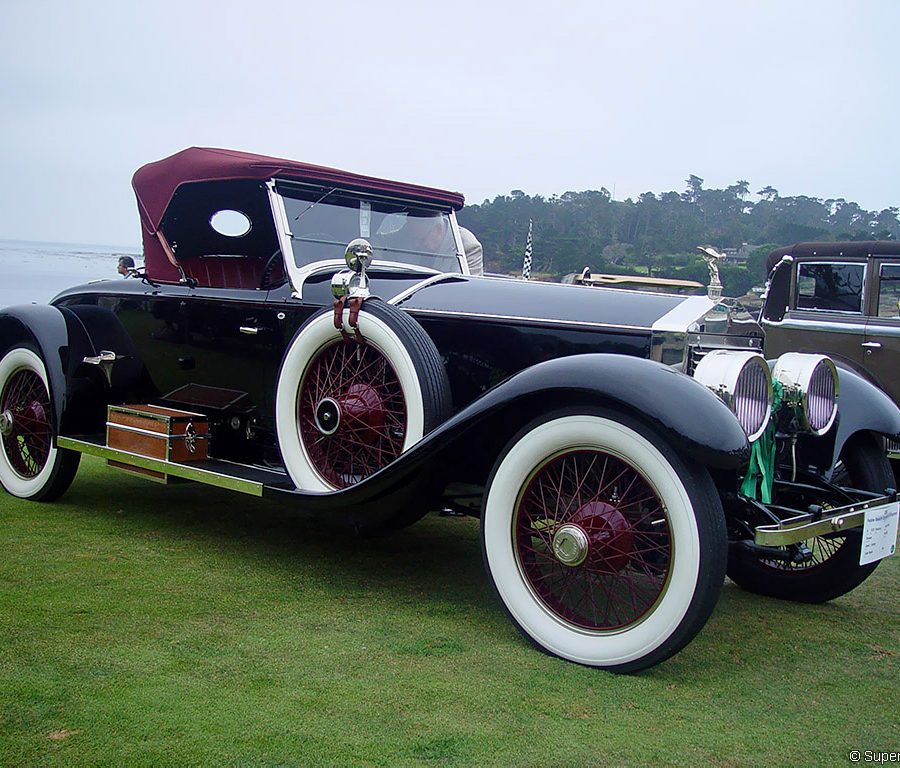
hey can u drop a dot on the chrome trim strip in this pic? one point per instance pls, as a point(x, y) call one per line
point(523, 319)
point(404, 295)
point(321, 266)
point(283, 232)
point(801, 528)
point(818, 325)
point(150, 432)
point(185, 471)
point(842, 312)
point(681, 317)
point(889, 330)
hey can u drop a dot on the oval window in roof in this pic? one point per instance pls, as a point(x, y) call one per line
point(230, 223)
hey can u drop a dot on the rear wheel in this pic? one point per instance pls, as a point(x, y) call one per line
point(605, 547)
point(31, 467)
point(834, 568)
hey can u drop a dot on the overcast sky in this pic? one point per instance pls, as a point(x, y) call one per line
point(480, 97)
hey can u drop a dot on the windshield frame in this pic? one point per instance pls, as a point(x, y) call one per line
point(299, 274)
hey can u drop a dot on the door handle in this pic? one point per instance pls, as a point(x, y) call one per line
point(249, 330)
point(871, 344)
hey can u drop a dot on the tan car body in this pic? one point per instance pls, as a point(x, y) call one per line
point(841, 299)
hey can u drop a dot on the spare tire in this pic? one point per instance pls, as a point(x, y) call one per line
point(345, 409)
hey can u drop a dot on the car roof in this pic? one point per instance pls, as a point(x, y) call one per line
point(155, 183)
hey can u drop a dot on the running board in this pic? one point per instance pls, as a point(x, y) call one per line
point(221, 474)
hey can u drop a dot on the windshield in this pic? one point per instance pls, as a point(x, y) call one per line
point(322, 221)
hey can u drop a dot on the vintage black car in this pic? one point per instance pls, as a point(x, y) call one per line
point(313, 336)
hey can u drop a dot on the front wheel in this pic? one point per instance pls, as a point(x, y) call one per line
point(604, 546)
point(834, 568)
point(31, 467)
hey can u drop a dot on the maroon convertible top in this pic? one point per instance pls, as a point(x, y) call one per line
point(155, 183)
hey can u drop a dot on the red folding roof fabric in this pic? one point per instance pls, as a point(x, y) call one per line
point(155, 183)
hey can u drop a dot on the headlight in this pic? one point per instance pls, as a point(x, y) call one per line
point(743, 381)
point(811, 384)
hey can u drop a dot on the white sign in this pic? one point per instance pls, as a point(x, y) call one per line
point(365, 218)
point(879, 533)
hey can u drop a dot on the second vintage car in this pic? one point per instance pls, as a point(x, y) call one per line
point(313, 336)
point(843, 299)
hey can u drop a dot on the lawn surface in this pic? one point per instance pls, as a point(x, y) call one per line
point(182, 625)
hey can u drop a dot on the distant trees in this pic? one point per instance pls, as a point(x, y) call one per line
point(658, 233)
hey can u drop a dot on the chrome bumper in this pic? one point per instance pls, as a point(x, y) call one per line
point(803, 527)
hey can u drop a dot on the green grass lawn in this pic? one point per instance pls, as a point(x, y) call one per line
point(148, 625)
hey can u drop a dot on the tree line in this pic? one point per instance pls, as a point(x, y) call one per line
point(657, 234)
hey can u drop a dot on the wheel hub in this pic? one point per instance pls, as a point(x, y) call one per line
point(328, 416)
point(609, 535)
point(364, 409)
point(6, 423)
point(570, 545)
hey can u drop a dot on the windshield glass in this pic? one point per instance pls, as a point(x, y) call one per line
point(322, 221)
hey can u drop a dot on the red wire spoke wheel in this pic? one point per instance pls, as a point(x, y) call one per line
point(25, 423)
point(604, 545)
point(345, 409)
point(30, 466)
point(592, 540)
point(351, 412)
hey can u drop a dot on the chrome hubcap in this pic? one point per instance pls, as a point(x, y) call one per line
point(6, 423)
point(570, 545)
point(328, 416)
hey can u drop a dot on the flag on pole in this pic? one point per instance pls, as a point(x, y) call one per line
point(526, 264)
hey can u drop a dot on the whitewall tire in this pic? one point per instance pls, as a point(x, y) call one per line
point(605, 548)
point(31, 466)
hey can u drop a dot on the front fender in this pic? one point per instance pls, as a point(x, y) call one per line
point(694, 420)
point(863, 407)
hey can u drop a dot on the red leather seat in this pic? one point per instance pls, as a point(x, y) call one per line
point(225, 271)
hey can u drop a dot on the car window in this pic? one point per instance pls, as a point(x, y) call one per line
point(889, 291)
point(834, 287)
point(323, 221)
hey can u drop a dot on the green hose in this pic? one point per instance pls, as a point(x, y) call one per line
point(760, 475)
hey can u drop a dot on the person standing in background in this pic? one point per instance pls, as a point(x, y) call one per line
point(473, 251)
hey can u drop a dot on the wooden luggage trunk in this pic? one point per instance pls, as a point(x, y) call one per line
point(157, 432)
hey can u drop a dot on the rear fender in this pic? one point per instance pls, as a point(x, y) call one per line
point(59, 338)
point(78, 392)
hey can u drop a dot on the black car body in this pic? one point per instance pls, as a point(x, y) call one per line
point(621, 448)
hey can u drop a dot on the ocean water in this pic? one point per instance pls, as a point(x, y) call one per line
point(32, 272)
